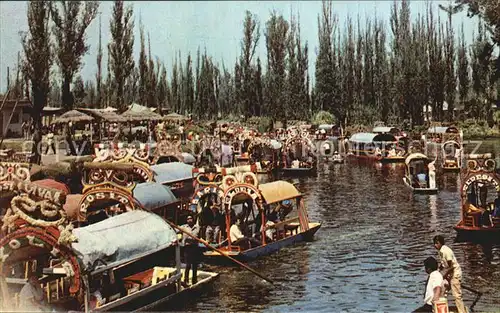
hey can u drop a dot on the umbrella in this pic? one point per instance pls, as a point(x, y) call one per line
point(133, 116)
point(73, 116)
point(175, 117)
point(103, 115)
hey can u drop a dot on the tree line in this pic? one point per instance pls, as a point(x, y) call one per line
point(401, 69)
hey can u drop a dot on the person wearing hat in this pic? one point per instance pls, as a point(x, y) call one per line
point(192, 253)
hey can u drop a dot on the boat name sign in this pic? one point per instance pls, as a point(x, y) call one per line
point(486, 178)
point(238, 189)
point(106, 194)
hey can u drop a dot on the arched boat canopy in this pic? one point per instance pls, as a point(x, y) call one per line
point(53, 184)
point(122, 238)
point(416, 156)
point(153, 195)
point(166, 173)
point(188, 158)
point(386, 130)
point(443, 130)
point(278, 191)
point(362, 137)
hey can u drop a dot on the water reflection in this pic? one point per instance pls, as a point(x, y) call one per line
point(369, 252)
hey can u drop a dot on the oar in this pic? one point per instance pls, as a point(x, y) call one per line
point(220, 252)
point(478, 295)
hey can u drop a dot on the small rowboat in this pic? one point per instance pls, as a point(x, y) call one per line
point(417, 175)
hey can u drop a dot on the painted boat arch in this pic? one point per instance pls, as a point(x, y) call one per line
point(205, 191)
point(44, 238)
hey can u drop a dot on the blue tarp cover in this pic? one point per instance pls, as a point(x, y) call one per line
point(153, 195)
point(362, 137)
point(172, 172)
point(122, 238)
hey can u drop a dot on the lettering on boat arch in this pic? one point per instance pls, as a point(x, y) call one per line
point(47, 238)
point(200, 193)
point(33, 204)
point(91, 196)
point(11, 171)
point(249, 190)
point(486, 178)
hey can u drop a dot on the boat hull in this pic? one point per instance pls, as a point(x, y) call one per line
point(161, 297)
point(427, 191)
point(477, 234)
point(254, 253)
point(298, 171)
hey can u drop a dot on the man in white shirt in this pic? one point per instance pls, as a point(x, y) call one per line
point(238, 239)
point(452, 271)
point(31, 295)
point(434, 286)
point(192, 253)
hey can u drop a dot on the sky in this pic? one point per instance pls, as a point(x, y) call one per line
point(212, 25)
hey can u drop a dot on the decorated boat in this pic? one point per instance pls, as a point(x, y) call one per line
point(418, 176)
point(385, 147)
point(268, 217)
point(298, 154)
point(439, 134)
point(480, 197)
point(326, 130)
point(176, 175)
point(451, 156)
point(127, 261)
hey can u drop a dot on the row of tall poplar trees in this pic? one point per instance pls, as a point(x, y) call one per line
point(365, 70)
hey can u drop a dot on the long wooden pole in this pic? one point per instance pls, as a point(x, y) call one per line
point(220, 252)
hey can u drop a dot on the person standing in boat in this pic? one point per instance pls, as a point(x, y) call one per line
point(432, 174)
point(452, 271)
point(192, 252)
point(214, 222)
point(434, 285)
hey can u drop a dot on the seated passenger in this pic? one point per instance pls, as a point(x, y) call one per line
point(422, 179)
point(238, 239)
point(295, 163)
point(496, 210)
point(270, 230)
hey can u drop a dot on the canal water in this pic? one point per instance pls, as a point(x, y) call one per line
point(367, 256)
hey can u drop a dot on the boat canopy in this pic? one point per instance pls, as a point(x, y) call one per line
point(72, 205)
point(122, 238)
point(362, 137)
point(52, 184)
point(278, 191)
point(172, 172)
point(385, 130)
point(188, 158)
point(151, 195)
point(415, 156)
point(326, 126)
point(443, 130)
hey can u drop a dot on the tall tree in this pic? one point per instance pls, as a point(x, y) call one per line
point(98, 76)
point(121, 49)
point(251, 36)
point(325, 91)
point(71, 19)
point(38, 60)
point(143, 68)
point(463, 70)
point(79, 91)
point(276, 34)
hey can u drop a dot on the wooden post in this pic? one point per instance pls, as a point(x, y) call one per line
point(178, 265)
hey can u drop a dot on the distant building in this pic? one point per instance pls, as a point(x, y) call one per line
point(20, 115)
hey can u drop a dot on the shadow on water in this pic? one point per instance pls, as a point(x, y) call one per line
point(367, 256)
